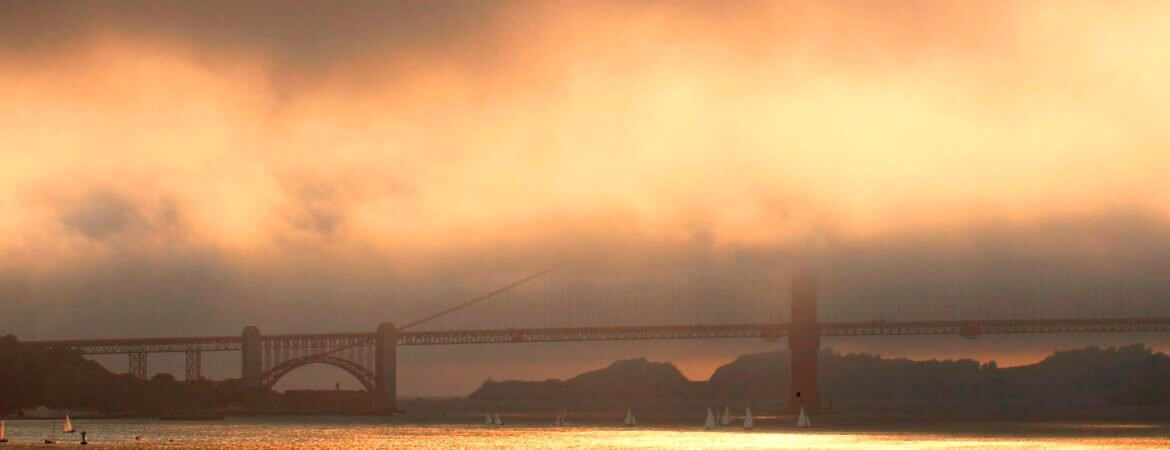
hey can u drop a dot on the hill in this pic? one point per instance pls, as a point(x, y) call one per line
point(60, 379)
point(1072, 380)
point(633, 379)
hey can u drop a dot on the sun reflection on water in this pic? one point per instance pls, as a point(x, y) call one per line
point(371, 432)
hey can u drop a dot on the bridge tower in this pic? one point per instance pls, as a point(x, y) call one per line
point(250, 353)
point(804, 342)
point(386, 369)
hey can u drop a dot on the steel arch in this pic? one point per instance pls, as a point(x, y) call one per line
point(364, 375)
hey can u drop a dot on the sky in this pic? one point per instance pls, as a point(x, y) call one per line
point(189, 168)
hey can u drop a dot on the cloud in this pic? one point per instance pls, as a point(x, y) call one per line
point(100, 215)
point(174, 167)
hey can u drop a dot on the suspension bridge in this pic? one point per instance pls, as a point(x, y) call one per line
point(371, 357)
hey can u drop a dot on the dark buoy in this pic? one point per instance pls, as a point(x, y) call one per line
point(83, 439)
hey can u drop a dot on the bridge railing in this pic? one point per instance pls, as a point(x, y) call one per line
point(519, 335)
point(329, 341)
point(146, 345)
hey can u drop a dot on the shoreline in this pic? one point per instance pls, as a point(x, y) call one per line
point(474, 414)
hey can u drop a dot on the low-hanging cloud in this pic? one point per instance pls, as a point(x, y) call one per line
point(168, 167)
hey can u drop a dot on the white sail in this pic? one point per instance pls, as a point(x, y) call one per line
point(726, 416)
point(487, 418)
point(559, 419)
point(630, 420)
point(710, 423)
point(803, 421)
point(68, 424)
point(3, 435)
point(497, 420)
point(748, 423)
point(564, 416)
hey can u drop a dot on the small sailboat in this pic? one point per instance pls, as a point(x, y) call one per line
point(3, 434)
point(726, 419)
point(496, 420)
point(561, 418)
point(748, 423)
point(630, 419)
point(68, 428)
point(710, 423)
point(487, 418)
point(802, 421)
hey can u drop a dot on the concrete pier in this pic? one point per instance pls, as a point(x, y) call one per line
point(386, 369)
point(250, 357)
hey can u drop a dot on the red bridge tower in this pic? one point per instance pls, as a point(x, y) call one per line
point(804, 342)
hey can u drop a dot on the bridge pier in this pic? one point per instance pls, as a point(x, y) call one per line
point(804, 343)
point(194, 365)
point(385, 395)
point(250, 356)
point(138, 365)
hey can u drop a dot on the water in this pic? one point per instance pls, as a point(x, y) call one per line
point(374, 432)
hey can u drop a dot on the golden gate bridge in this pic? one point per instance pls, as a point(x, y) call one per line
point(371, 357)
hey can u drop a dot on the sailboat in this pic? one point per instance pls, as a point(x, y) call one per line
point(496, 420)
point(710, 423)
point(748, 423)
point(3, 435)
point(561, 418)
point(487, 418)
point(630, 420)
point(802, 421)
point(68, 425)
point(726, 419)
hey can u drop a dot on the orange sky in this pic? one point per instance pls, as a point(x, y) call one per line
point(269, 137)
point(766, 124)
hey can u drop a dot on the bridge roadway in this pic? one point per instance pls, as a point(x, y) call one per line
point(769, 331)
point(372, 357)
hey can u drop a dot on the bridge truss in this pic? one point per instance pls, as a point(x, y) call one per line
point(354, 352)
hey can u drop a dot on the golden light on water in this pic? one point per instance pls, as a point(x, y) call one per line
point(357, 432)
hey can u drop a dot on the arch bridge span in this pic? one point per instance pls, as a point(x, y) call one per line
point(364, 375)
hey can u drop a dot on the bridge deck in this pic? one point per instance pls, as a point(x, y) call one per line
point(523, 335)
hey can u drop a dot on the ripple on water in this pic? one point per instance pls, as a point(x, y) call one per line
point(374, 432)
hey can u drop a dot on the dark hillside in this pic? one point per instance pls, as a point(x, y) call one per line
point(1075, 380)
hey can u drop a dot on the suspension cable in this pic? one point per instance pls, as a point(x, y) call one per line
point(477, 299)
point(473, 301)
